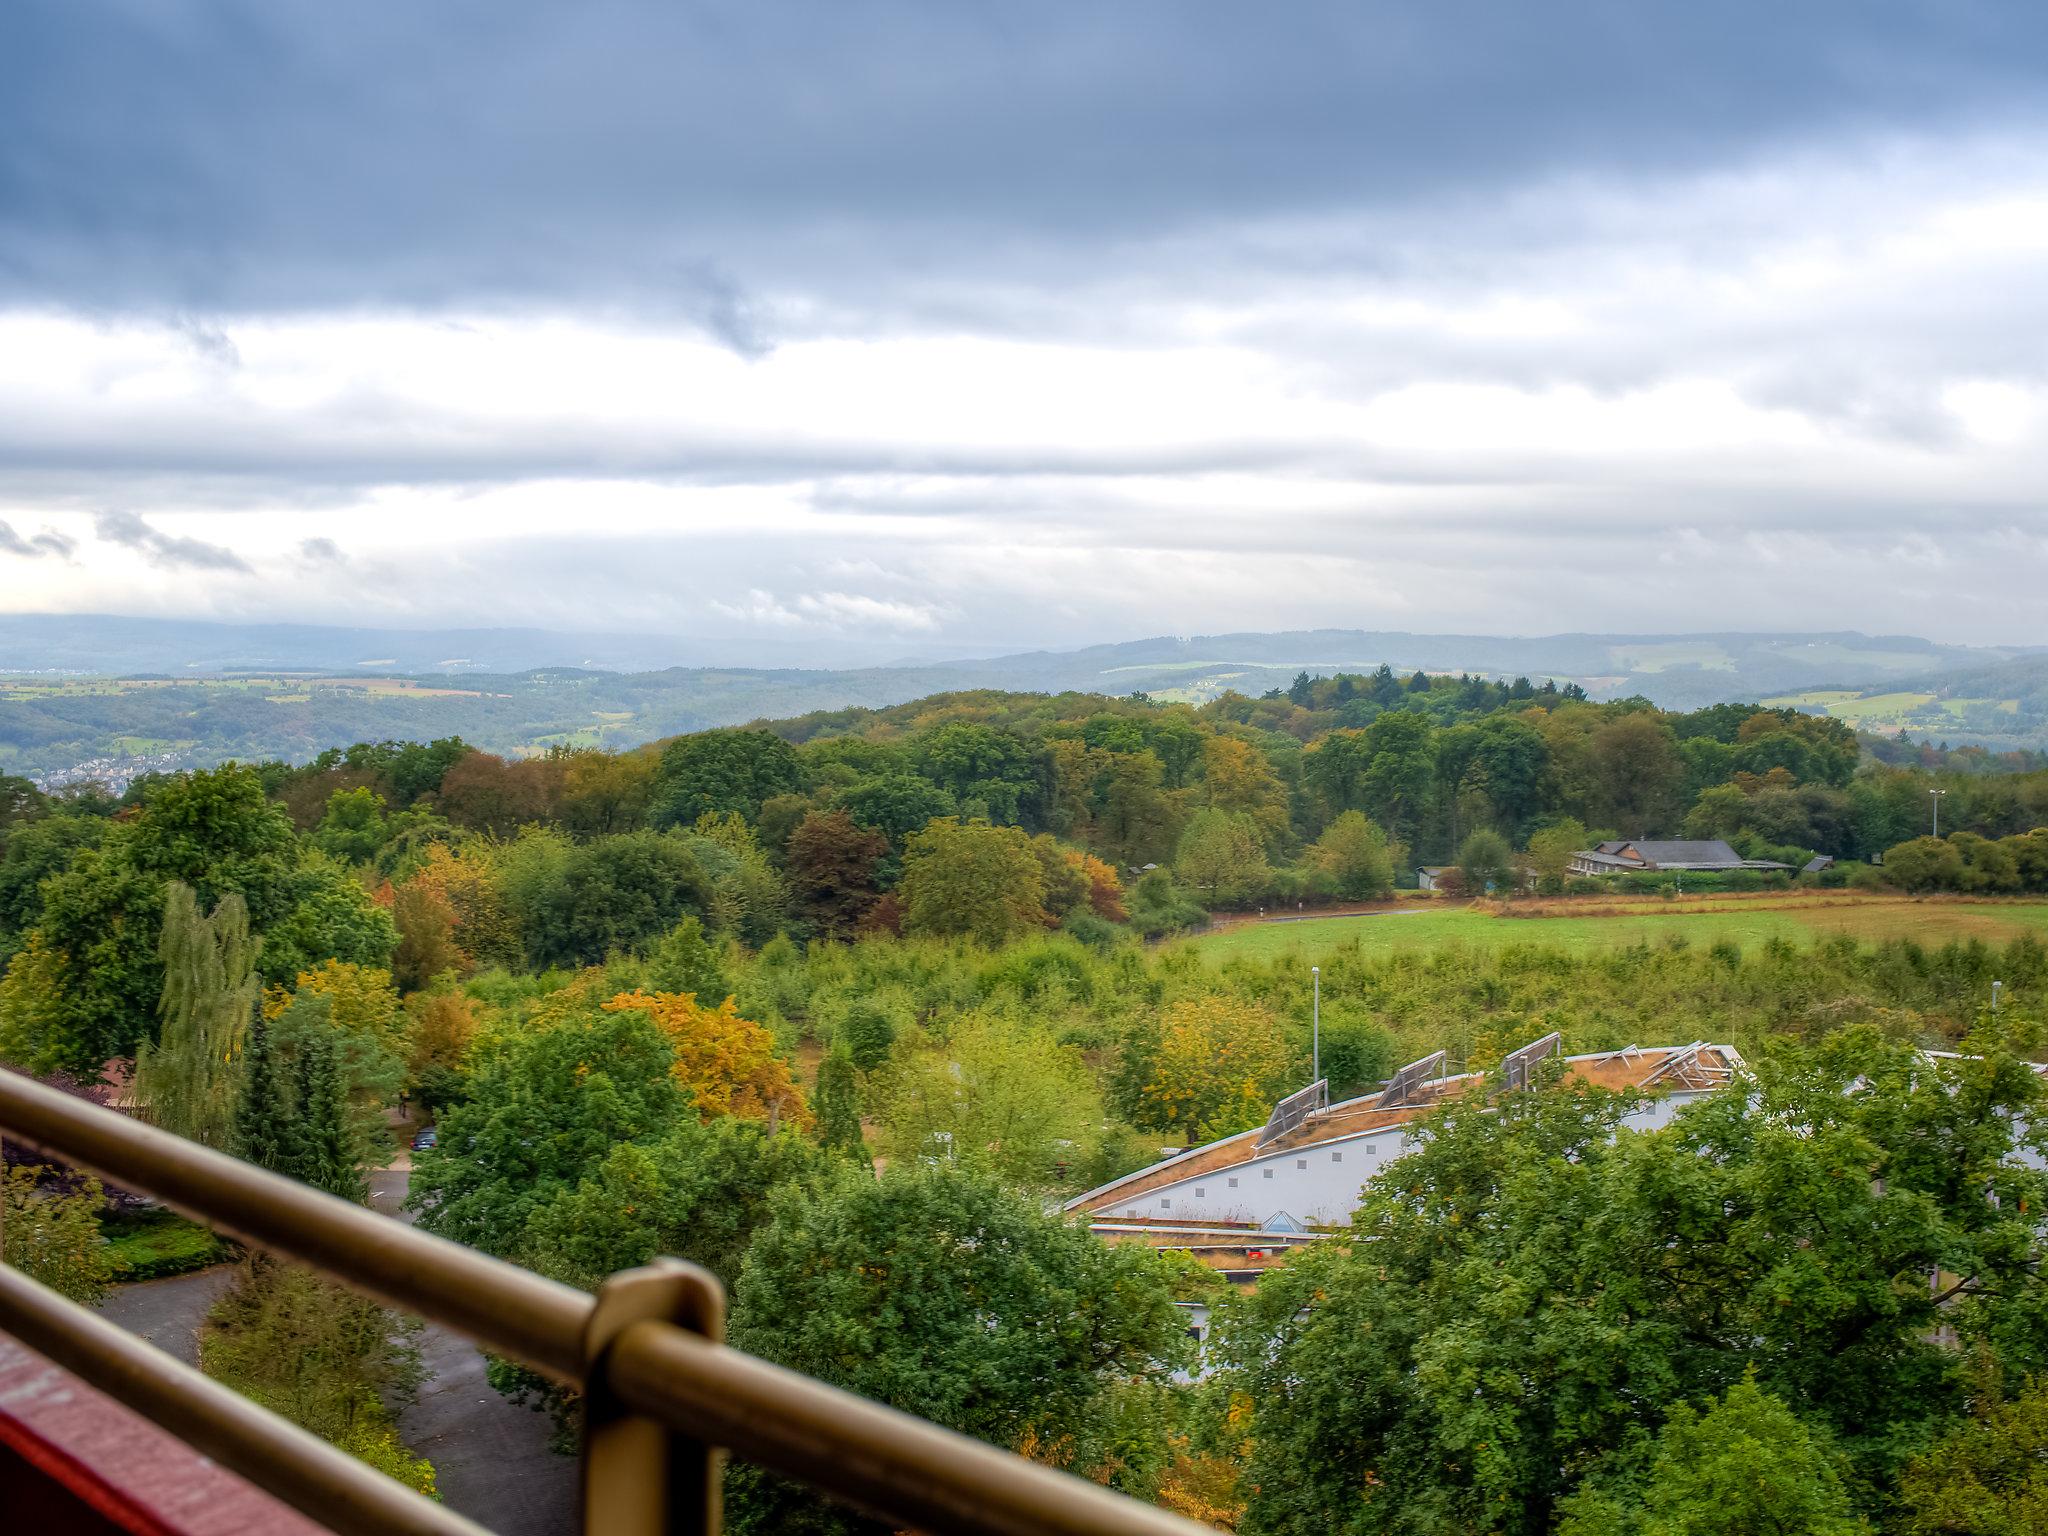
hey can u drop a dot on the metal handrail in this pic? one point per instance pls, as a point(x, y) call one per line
point(891, 1464)
point(296, 1466)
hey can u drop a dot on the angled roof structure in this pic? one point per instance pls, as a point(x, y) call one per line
point(1309, 1159)
point(1702, 854)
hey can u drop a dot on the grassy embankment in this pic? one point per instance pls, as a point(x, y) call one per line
point(1598, 923)
point(153, 1244)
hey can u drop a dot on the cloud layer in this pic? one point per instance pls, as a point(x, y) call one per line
point(965, 327)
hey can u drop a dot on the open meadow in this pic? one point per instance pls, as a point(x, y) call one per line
point(1581, 926)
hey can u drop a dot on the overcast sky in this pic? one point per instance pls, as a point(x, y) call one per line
point(959, 325)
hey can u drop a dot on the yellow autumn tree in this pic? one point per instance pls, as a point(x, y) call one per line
point(728, 1063)
point(1220, 1065)
point(444, 1026)
point(362, 1000)
point(465, 886)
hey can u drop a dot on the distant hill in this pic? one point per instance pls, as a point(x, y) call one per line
point(106, 645)
point(1677, 671)
point(2001, 705)
point(126, 695)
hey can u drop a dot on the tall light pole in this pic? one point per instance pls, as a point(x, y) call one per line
point(1935, 795)
point(1315, 1069)
point(1994, 997)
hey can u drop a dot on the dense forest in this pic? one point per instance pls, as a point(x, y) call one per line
point(787, 999)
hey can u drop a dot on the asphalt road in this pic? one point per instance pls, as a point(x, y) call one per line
point(168, 1312)
point(491, 1459)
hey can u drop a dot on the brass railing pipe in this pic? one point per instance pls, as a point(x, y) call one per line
point(514, 1311)
point(891, 1464)
point(327, 1485)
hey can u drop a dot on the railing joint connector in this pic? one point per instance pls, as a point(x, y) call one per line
point(640, 1478)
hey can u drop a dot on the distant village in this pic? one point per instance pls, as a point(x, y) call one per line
point(112, 774)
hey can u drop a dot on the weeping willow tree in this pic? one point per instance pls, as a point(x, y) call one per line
point(188, 1077)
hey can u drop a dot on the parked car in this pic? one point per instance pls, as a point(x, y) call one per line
point(426, 1139)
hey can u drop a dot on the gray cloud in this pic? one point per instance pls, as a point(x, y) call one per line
point(163, 549)
point(1565, 206)
point(222, 157)
point(36, 546)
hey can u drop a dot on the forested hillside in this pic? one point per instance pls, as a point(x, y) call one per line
point(193, 695)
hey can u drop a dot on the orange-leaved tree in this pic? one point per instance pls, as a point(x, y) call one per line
point(728, 1063)
point(1105, 891)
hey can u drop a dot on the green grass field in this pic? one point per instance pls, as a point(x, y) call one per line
point(1430, 927)
point(1889, 711)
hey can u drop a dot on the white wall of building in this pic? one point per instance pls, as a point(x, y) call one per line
point(1318, 1185)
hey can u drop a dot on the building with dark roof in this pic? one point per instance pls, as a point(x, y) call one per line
point(1709, 855)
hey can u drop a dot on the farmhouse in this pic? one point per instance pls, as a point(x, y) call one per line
point(1623, 855)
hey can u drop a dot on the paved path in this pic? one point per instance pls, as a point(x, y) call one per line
point(168, 1312)
point(491, 1459)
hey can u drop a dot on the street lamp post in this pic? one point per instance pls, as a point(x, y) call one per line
point(1315, 1070)
point(1995, 986)
point(1935, 795)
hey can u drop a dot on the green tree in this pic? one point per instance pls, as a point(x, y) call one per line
point(1335, 767)
point(1550, 854)
point(685, 961)
point(1486, 863)
point(895, 804)
point(1401, 774)
point(50, 1231)
point(1638, 774)
point(1221, 856)
point(547, 1104)
point(616, 894)
point(35, 851)
point(311, 1097)
point(1924, 864)
point(101, 918)
point(354, 827)
point(188, 1077)
point(1743, 1465)
point(1159, 907)
point(973, 880)
point(1539, 1285)
point(321, 1356)
point(982, 768)
point(868, 1032)
point(1987, 1476)
point(728, 770)
point(697, 1192)
point(1015, 1325)
point(837, 1105)
point(331, 918)
point(321, 1145)
point(1352, 858)
point(264, 1106)
point(997, 1096)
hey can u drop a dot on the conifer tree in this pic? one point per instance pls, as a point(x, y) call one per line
point(322, 1148)
point(837, 1103)
point(188, 1078)
point(265, 1112)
